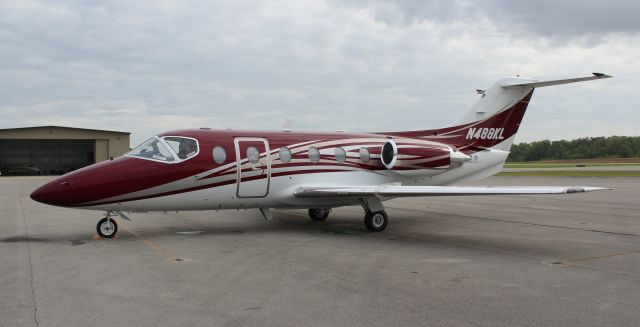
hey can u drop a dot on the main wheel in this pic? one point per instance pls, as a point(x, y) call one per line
point(319, 214)
point(376, 221)
point(107, 228)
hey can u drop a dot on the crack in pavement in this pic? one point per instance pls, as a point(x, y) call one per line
point(33, 290)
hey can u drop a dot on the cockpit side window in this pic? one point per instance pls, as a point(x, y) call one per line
point(153, 149)
point(183, 147)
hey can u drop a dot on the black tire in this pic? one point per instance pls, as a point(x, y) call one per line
point(376, 221)
point(106, 231)
point(319, 214)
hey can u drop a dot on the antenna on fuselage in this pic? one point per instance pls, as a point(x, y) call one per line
point(287, 125)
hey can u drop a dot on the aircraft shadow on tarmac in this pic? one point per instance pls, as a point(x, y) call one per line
point(339, 226)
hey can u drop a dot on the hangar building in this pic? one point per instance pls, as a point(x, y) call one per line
point(52, 150)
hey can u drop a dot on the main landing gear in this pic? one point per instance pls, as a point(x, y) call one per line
point(375, 218)
point(376, 221)
point(319, 214)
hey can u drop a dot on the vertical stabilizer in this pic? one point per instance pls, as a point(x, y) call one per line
point(494, 120)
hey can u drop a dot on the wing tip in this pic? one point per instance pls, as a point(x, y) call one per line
point(584, 189)
point(601, 75)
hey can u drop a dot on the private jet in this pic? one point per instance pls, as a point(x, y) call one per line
point(205, 169)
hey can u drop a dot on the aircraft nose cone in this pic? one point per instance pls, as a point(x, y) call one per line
point(39, 195)
point(52, 193)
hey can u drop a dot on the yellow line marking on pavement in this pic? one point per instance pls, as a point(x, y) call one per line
point(157, 247)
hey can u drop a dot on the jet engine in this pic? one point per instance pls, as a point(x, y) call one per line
point(420, 159)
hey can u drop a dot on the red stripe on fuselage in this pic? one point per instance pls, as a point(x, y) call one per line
point(202, 187)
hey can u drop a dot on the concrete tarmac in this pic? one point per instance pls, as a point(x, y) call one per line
point(543, 260)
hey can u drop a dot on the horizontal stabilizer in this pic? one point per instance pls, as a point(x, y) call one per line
point(507, 84)
point(413, 191)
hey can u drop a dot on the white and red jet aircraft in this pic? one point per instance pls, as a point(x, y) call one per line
point(205, 169)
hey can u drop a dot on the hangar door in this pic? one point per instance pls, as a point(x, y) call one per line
point(45, 157)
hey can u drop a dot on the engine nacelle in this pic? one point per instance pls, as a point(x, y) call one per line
point(389, 154)
point(420, 159)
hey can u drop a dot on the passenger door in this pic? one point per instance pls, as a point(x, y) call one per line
point(253, 167)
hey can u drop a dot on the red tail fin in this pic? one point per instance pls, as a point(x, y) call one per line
point(497, 130)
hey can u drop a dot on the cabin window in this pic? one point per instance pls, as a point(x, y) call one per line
point(314, 154)
point(253, 155)
point(341, 155)
point(184, 147)
point(364, 155)
point(285, 154)
point(152, 149)
point(219, 155)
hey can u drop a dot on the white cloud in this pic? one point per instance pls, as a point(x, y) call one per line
point(147, 67)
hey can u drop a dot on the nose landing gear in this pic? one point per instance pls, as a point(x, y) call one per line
point(107, 226)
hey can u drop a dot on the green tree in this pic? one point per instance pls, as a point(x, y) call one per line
point(582, 148)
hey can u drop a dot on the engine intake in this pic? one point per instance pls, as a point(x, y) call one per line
point(389, 154)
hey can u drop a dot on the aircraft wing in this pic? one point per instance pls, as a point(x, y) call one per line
point(414, 191)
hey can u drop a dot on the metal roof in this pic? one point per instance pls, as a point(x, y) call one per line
point(64, 127)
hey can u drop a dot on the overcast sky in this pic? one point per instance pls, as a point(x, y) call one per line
point(360, 65)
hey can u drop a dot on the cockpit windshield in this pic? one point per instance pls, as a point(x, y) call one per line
point(166, 149)
point(153, 149)
point(184, 147)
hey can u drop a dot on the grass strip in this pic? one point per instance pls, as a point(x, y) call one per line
point(542, 165)
point(573, 173)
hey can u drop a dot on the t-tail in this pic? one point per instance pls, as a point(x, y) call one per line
point(494, 120)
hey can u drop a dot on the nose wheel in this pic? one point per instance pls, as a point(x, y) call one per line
point(107, 227)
